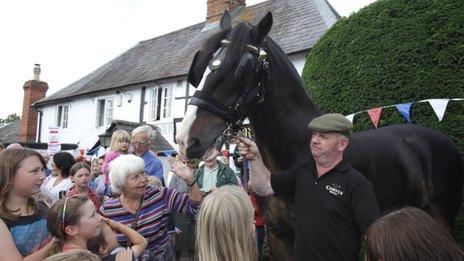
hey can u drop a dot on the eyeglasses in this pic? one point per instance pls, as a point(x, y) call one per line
point(136, 143)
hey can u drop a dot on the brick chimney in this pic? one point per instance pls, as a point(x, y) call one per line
point(34, 90)
point(217, 7)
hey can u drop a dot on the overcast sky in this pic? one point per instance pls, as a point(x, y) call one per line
point(72, 38)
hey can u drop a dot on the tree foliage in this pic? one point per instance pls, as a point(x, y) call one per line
point(12, 118)
point(391, 52)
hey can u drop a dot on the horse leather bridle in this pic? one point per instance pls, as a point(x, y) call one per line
point(232, 115)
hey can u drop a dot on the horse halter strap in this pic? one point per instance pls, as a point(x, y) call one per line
point(256, 90)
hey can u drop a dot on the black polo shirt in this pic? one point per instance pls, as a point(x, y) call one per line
point(332, 211)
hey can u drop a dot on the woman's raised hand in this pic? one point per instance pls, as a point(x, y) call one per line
point(181, 169)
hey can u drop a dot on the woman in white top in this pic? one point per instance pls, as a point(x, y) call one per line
point(59, 179)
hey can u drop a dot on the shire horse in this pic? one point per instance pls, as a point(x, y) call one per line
point(244, 73)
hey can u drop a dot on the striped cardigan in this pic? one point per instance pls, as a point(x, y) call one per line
point(157, 205)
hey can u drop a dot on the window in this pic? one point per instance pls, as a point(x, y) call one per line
point(161, 103)
point(154, 110)
point(109, 112)
point(62, 116)
point(104, 112)
point(165, 128)
point(167, 102)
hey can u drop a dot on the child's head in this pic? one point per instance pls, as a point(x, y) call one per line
point(100, 162)
point(80, 174)
point(21, 175)
point(225, 228)
point(73, 217)
point(105, 242)
point(409, 234)
point(75, 255)
point(120, 141)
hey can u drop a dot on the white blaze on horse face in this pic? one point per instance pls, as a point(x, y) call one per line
point(190, 115)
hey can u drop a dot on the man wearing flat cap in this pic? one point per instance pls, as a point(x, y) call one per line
point(334, 203)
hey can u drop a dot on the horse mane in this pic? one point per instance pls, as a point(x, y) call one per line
point(241, 35)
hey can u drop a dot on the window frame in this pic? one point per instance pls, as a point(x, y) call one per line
point(62, 115)
point(167, 100)
point(104, 116)
point(154, 103)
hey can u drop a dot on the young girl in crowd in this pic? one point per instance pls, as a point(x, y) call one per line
point(23, 226)
point(409, 234)
point(225, 230)
point(80, 176)
point(59, 182)
point(120, 141)
point(73, 221)
point(76, 255)
point(99, 181)
point(106, 244)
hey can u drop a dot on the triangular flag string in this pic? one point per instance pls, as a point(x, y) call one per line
point(350, 117)
point(405, 110)
point(375, 115)
point(438, 105)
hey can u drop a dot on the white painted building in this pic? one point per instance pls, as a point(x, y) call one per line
point(148, 82)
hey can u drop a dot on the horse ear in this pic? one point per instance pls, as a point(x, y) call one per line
point(226, 21)
point(263, 27)
point(193, 78)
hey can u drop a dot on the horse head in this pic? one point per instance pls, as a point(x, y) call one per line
point(229, 73)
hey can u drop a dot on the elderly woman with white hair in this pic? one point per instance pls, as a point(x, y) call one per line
point(147, 209)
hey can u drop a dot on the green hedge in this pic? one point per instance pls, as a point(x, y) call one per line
point(391, 52)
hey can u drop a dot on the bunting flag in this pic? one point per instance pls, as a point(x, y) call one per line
point(350, 117)
point(439, 107)
point(405, 109)
point(375, 115)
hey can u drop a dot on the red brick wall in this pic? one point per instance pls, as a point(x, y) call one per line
point(217, 7)
point(33, 91)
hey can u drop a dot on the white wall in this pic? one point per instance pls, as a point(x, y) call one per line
point(298, 61)
point(80, 123)
point(82, 117)
point(83, 110)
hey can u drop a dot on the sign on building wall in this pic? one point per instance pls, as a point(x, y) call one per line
point(54, 144)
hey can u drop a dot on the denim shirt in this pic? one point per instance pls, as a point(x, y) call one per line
point(153, 166)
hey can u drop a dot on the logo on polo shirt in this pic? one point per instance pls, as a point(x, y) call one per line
point(334, 189)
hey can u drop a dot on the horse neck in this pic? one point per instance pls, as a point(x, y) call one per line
point(280, 123)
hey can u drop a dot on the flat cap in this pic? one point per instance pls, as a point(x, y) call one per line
point(331, 122)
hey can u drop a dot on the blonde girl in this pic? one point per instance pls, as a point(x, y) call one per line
point(76, 255)
point(120, 141)
point(225, 230)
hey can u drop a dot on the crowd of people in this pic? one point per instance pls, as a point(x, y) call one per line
point(120, 207)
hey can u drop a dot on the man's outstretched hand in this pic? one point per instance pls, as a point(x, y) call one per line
point(247, 148)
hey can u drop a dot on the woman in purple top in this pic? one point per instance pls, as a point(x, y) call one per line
point(147, 209)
